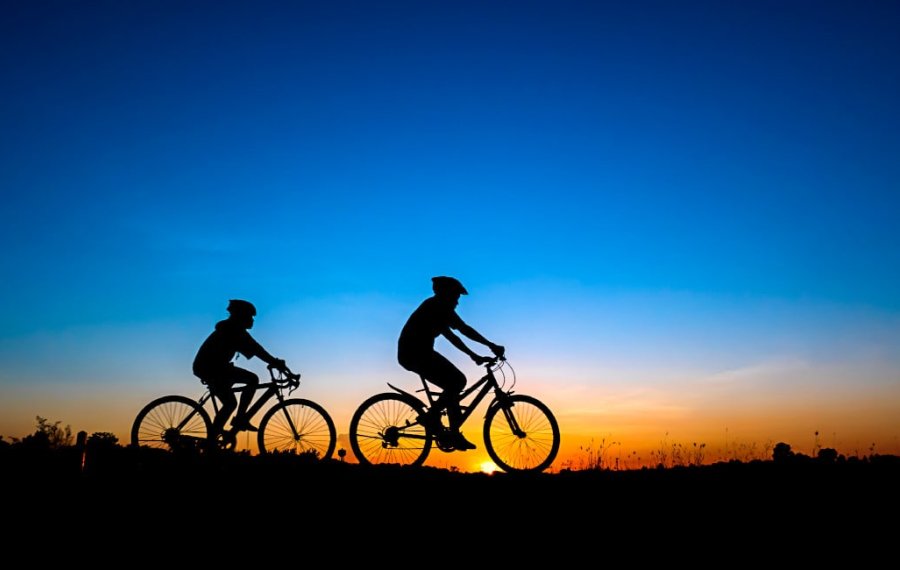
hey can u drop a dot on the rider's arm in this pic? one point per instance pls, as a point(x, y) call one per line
point(263, 354)
point(477, 337)
point(458, 343)
point(269, 359)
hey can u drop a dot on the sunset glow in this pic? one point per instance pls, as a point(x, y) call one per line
point(488, 467)
point(680, 219)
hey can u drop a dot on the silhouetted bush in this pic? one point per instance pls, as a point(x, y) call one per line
point(827, 455)
point(102, 440)
point(782, 452)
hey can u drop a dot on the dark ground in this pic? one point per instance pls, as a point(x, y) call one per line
point(132, 495)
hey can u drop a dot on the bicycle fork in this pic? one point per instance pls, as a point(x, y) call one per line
point(511, 419)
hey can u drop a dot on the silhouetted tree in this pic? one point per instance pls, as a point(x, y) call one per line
point(102, 439)
point(827, 455)
point(49, 436)
point(782, 452)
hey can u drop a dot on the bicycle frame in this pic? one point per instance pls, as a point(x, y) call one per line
point(271, 389)
point(520, 432)
point(286, 424)
point(477, 391)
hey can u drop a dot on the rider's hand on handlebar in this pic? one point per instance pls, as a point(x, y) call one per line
point(498, 350)
point(280, 364)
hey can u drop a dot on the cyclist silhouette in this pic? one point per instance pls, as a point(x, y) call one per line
point(415, 350)
point(214, 367)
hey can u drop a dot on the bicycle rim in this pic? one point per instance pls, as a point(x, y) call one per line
point(534, 447)
point(384, 430)
point(171, 422)
point(298, 426)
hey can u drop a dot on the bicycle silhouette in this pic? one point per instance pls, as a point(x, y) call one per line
point(293, 425)
point(520, 432)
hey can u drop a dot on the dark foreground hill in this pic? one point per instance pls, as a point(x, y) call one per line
point(118, 488)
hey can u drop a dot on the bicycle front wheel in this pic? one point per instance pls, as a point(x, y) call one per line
point(299, 426)
point(171, 422)
point(384, 429)
point(521, 435)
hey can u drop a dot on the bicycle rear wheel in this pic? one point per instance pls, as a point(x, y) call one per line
point(522, 436)
point(299, 426)
point(171, 422)
point(384, 429)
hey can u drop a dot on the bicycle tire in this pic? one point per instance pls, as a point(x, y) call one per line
point(384, 430)
point(171, 422)
point(298, 426)
point(533, 450)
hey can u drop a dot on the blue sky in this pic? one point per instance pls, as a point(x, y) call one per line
point(633, 192)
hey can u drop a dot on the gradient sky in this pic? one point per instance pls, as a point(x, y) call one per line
point(680, 218)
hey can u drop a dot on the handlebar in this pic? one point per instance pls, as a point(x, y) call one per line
point(283, 375)
point(501, 370)
point(493, 360)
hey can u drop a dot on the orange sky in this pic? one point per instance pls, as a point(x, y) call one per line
point(728, 415)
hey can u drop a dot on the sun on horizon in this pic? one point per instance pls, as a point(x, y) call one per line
point(488, 467)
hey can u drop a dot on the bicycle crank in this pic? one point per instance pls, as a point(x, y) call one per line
point(444, 441)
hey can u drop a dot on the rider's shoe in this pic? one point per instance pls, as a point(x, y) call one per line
point(242, 424)
point(461, 443)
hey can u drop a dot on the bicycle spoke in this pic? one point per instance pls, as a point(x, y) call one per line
point(298, 426)
point(384, 430)
point(530, 448)
point(170, 416)
point(170, 421)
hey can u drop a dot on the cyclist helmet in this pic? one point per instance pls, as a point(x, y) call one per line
point(238, 307)
point(448, 285)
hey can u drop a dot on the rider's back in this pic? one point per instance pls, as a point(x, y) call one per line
point(221, 346)
point(429, 320)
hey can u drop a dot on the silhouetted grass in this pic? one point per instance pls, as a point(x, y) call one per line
point(96, 469)
point(103, 491)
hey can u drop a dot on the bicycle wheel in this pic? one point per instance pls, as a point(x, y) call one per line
point(171, 422)
point(300, 426)
point(522, 435)
point(384, 430)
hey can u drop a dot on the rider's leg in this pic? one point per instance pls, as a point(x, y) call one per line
point(451, 380)
point(251, 380)
point(228, 404)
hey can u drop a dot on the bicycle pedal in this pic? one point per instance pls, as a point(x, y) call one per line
point(444, 442)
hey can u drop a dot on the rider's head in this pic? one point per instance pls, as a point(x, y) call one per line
point(447, 287)
point(242, 310)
